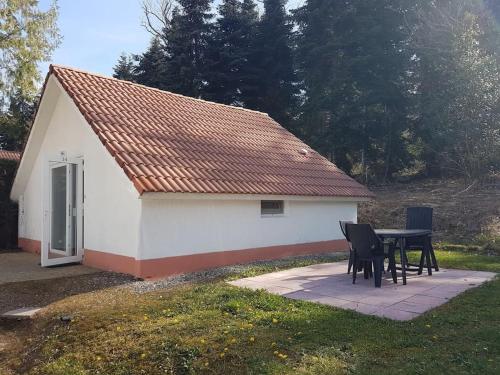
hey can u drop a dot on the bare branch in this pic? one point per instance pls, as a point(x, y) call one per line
point(157, 16)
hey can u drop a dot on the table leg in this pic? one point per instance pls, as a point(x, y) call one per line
point(421, 264)
point(402, 254)
point(378, 265)
point(427, 250)
point(433, 256)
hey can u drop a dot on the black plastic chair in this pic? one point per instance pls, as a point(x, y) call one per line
point(351, 252)
point(420, 218)
point(368, 248)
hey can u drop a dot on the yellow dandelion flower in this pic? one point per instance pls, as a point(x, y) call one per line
point(118, 328)
point(202, 341)
point(276, 352)
point(226, 313)
point(222, 355)
point(206, 364)
point(98, 358)
point(273, 344)
point(226, 349)
point(275, 320)
point(164, 311)
point(252, 339)
point(146, 317)
point(143, 355)
point(250, 325)
point(233, 340)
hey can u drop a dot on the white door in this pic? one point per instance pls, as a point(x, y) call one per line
point(63, 214)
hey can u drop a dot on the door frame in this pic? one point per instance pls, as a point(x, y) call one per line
point(49, 164)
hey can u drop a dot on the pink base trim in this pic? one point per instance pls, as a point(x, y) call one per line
point(161, 267)
point(31, 246)
point(110, 262)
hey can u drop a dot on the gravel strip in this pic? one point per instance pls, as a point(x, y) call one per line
point(207, 275)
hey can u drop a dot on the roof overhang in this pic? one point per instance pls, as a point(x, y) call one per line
point(248, 197)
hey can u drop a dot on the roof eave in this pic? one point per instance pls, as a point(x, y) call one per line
point(226, 196)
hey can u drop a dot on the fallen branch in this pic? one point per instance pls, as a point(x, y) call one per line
point(466, 190)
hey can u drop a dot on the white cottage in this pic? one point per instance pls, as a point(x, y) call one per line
point(132, 179)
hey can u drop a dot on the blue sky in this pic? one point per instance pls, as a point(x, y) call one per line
point(96, 32)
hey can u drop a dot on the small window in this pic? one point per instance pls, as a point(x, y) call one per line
point(272, 207)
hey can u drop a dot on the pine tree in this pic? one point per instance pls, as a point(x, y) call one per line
point(124, 68)
point(459, 89)
point(15, 122)
point(275, 92)
point(228, 52)
point(187, 40)
point(151, 68)
point(352, 62)
point(249, 71)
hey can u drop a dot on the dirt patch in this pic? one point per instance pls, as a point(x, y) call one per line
point(15, 335)
point(461, 212)
point(41, 293)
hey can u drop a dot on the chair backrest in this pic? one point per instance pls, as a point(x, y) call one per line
point(419, 218)
point(343, 228)
point(364, 240)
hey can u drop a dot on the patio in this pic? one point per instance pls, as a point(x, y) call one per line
point(329, 284)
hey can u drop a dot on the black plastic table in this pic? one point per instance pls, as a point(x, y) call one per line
point(400, 235)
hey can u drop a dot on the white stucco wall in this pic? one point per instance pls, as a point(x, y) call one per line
point(112, 208)
point(173, 227)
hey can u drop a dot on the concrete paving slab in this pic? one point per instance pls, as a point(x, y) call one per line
point(329, 284)
point(18, 266)
point(23, 313)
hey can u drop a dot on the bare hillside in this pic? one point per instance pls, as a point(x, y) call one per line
point(460, 212)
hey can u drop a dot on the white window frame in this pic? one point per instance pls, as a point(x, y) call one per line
point(281, 214)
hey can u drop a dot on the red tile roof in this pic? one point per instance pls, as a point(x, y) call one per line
point(10, 155)
point(171, 143)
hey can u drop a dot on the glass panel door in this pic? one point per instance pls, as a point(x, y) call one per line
point(72, 208)
point(63, 213)
point(59, 208)
point(63, 220)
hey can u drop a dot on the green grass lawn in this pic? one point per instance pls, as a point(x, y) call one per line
point(215, 328)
